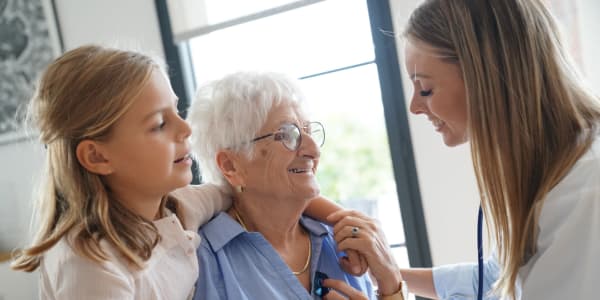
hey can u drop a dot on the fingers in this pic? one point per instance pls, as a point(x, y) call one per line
point(379, 258)
point(365, 246)
point(356, 269)
point(353, 232)
point(342, 290)
point(354, 263)
point(356, 231)
point(340, 214)
point(346, 224)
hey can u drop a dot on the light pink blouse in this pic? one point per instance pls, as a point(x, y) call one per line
point(170, 273)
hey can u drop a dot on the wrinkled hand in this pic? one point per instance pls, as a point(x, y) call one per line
point(369, 242)
point(342, 290)
point(354, 263)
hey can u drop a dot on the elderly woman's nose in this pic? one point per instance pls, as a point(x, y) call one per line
point(309, 147)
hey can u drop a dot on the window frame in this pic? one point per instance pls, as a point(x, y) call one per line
point(178, 58)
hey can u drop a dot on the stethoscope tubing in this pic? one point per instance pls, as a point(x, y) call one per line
point(480, 253)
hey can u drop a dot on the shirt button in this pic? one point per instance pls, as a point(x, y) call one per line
point(189, 251)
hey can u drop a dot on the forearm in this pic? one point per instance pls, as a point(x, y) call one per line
point(420, 282)
point(319, 208)
point(199, 203)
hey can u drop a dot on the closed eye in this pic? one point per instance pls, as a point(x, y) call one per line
point(426, 93)
point(159, 126)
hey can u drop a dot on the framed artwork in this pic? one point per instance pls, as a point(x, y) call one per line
point(29, 40)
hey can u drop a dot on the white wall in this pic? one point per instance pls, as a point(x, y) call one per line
point(131, 23)
point(19, 164)
point(110, 22)
point(446, 178)
point(589, 13)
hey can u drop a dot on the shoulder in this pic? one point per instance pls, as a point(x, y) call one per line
point(69, 274)
point(218, 233)
point(571, 210)
point(581, 185)
point(199, 203)
point(194, 191)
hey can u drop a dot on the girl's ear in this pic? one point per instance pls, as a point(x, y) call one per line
point(91, 156)
point(229, 163)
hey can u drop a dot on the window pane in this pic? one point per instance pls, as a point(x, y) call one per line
point(301, 42)
point(355, 167)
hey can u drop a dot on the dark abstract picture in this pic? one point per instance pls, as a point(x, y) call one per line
point(26, 48)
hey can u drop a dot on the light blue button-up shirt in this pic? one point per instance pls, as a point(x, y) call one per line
point(460, 281)
point(235, 264)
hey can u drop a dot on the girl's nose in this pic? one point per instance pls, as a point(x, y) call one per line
point(185, 130)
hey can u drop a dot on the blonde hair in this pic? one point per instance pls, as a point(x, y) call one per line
point(529, 117)
point(81, 95)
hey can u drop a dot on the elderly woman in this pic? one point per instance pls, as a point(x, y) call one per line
point(251, 134)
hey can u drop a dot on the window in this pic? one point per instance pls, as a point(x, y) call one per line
point(327, 45)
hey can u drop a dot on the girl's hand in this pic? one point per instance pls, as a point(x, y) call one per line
point(342, 290)
point(356, 231)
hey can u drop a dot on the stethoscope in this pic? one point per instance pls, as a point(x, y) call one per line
point(480, 253)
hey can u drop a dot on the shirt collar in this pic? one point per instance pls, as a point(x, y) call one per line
point(223, 229)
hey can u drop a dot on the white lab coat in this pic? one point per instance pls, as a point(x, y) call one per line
point(567, 262)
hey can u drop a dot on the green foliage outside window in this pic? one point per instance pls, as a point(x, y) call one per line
point(354, 160)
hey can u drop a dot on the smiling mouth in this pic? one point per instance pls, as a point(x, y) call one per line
point(438, 124)
point(298, 170)
point(187, 156)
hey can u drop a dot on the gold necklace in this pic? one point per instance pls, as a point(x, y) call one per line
point(306, 264)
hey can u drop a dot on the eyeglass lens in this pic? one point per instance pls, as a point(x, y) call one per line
point(317, 133)
point(289, 135)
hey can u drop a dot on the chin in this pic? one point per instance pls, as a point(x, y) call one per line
point(453, 141)
point(185, 181)
point(312, 193)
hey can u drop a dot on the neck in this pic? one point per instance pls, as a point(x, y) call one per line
point(277, 220)
point(146, 206)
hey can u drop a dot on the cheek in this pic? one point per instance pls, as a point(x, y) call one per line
point(264, 153)
point(459, 104)
point(450, 107)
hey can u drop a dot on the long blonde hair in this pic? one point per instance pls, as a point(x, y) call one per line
point(530, 118)
point(81, 95)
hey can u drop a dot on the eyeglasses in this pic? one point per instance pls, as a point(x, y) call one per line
point(291, 136)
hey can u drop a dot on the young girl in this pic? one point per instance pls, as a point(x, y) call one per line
point(116, 148)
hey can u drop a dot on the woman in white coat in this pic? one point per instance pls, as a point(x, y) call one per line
point(493, 73)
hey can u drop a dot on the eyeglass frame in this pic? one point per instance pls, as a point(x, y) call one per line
point(300, 130)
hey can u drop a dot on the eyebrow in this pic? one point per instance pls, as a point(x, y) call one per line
point(291, 120)
point(150, 115)
point(420, 75)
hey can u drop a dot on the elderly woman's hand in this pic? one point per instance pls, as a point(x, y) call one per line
point(354, 263)
point(356, 231)
point(341, 290)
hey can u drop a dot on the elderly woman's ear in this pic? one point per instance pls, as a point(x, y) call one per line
point(228, 162)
